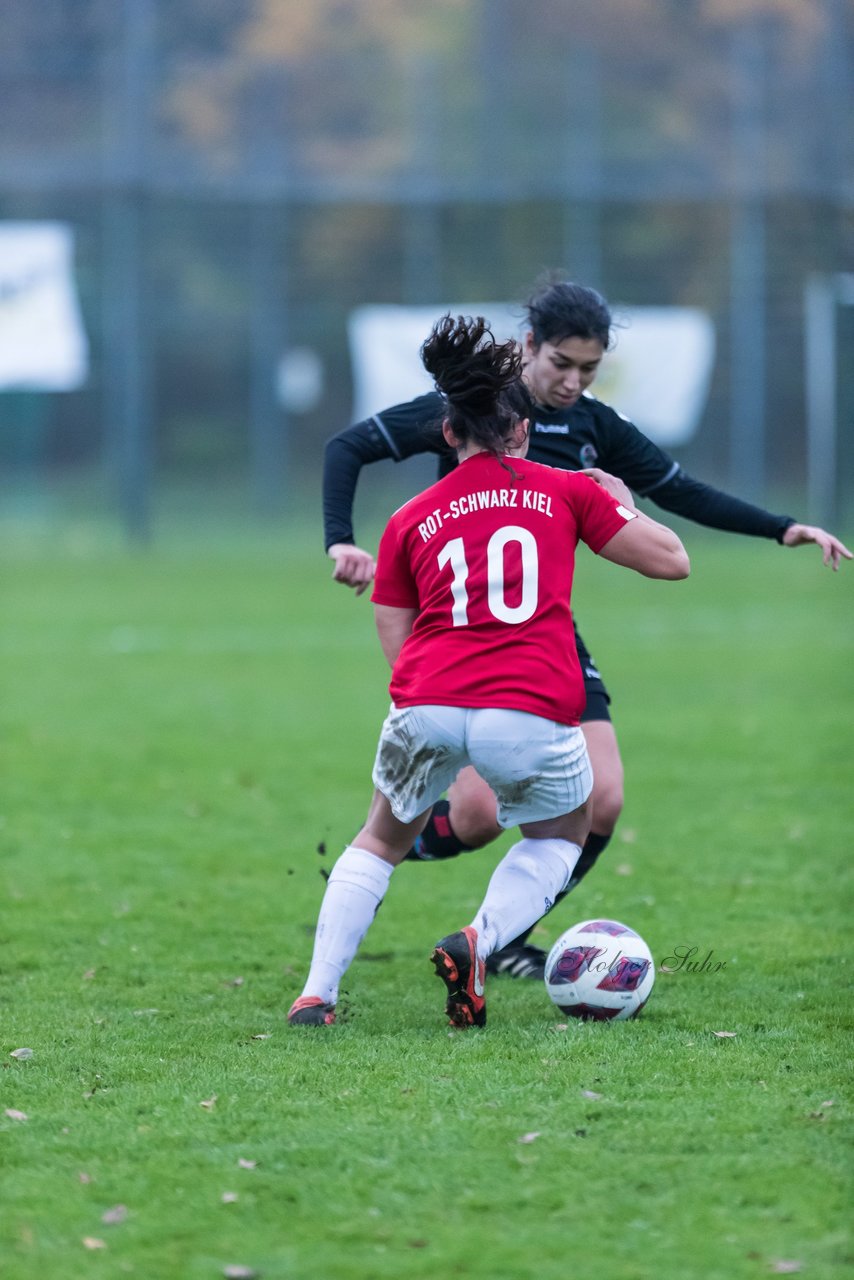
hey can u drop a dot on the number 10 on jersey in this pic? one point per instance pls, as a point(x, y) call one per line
point(453, 553)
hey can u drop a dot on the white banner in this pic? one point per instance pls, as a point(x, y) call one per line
point(42, 343)
point(657, 375)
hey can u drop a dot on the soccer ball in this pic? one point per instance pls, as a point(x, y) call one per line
point(600, 969)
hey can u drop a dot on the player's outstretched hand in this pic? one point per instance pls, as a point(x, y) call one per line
point(353, 566)
point(612, 484)
point(832, 550)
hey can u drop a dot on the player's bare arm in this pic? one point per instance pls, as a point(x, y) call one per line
point(832, 550)
point(353, 566)
point(649, 548)
point(393, 627)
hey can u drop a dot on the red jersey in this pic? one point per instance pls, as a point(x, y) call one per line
point(487, 560)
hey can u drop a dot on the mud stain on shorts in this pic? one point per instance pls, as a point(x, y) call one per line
point(408, 768)
point(515, 794)
point(408, 764)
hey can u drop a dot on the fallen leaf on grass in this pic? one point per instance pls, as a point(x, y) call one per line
point(233, 982)
point(96, 1084)
point(89, 975)
point(16, 1115)
point(240, 1273)
point(228, 1197)
point(209, 1103)
point(588, 1093)
point(786, 1266)
point(725, 1035)
point(21, 1054)
point(92, 1242)
point(247, 1164)
point(624, 869)
point(112, 1217)
point(561, 1026)
point(85, 1178)
point(529, 1137)
point(418, 1244)
point(665, 968)
point(264, 1036)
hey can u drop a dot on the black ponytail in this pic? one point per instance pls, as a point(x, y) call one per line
point(480, 380)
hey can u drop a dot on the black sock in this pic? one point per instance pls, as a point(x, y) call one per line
point(437, 840)
point(593, 846)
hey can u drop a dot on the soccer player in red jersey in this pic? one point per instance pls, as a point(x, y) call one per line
point(472, 603)
point(569, 332)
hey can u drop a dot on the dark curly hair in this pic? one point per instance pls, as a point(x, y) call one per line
point(561, 309)
point(479, 378)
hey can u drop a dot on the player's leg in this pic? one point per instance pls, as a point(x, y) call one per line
point(519, 959)
point(604, 752)
point(551, 776)
point(355, 888)
point(530, 878)
point(552, 773)
point(464, 821)
point(407, 783)
point(607, 797)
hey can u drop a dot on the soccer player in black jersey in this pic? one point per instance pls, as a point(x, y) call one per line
point(569, 332)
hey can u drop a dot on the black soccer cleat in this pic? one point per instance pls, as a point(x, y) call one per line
point(518, 960)
point(456, 963)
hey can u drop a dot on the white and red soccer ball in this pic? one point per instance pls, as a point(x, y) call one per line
point(601, 970)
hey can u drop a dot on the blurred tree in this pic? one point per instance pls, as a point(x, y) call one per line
point(394, 150)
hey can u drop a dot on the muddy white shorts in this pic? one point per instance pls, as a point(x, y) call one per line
point(538, 769)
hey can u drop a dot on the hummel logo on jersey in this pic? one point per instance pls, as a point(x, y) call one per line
point(558, 429)
point(592, 672)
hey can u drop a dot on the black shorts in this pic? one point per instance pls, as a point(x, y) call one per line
point(598, 698)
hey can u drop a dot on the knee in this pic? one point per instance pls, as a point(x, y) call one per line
point(474, 823)
point(607, 801)
point(473, 811)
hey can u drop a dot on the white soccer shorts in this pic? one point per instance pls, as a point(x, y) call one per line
point(537, 768)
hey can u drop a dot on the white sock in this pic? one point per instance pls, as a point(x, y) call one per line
point(354, 890)
point(523, 888)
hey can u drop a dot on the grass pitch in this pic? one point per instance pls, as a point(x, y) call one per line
point(187, 737)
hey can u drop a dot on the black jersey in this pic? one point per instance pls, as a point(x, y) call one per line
point(586, 434)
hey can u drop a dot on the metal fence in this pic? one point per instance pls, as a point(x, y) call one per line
point(239, 176)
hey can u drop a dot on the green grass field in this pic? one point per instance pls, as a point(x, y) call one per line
point(184, 731)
